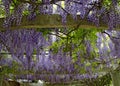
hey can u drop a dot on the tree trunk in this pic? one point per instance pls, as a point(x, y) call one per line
point(115, 78)
point(9, 83)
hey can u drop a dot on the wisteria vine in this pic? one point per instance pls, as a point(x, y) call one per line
point(60, 67)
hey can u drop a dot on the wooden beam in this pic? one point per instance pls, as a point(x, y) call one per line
point(53, 21)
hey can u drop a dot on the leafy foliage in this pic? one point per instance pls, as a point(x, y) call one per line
point(75, 53)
